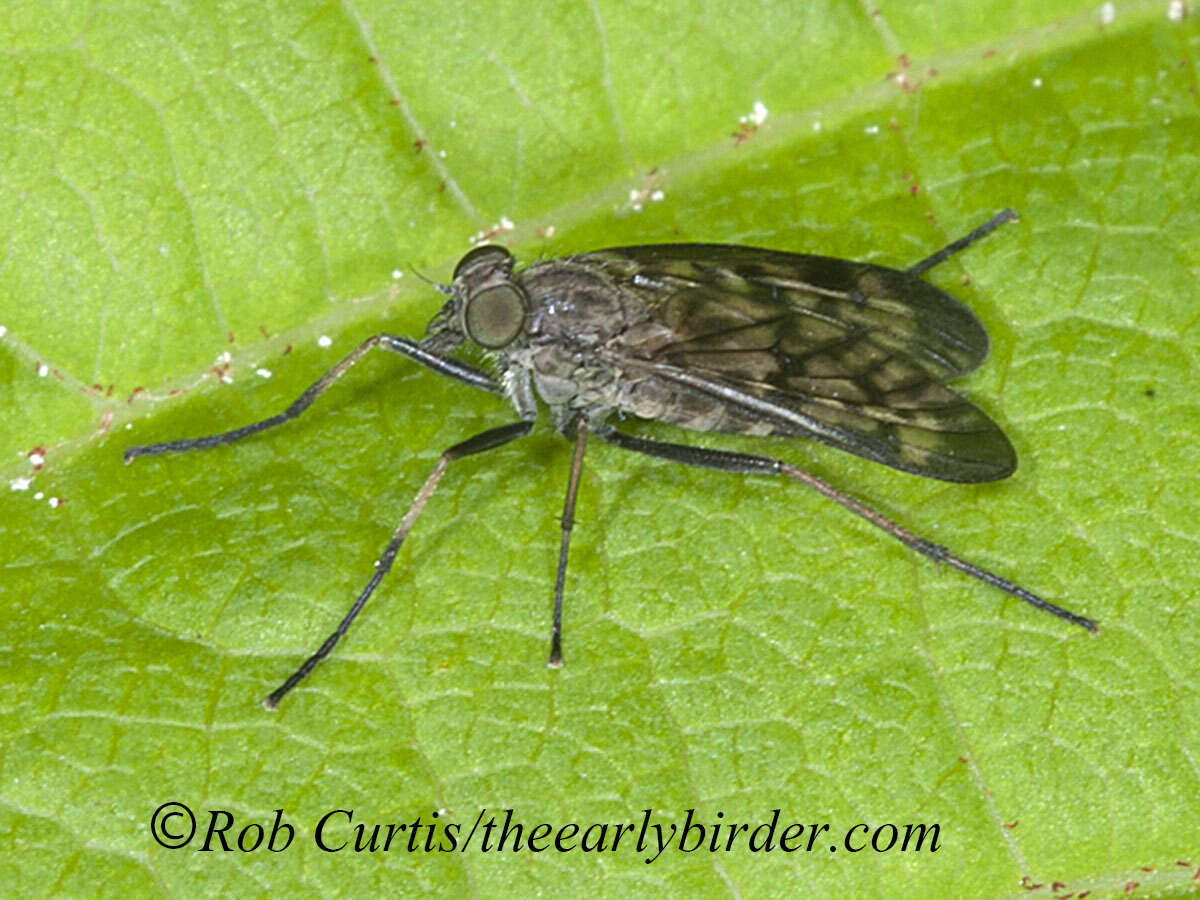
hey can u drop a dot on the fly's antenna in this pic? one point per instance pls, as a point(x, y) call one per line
point(436, 285)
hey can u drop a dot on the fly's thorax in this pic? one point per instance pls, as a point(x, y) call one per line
point(576, 314)
point(566, 376)
point(577, 303)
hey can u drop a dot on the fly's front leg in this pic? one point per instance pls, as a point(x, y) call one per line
point(459, 371)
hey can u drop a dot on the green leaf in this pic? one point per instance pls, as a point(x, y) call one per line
point(192, 195)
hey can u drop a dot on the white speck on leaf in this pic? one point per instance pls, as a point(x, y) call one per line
point(757, 116)
point(324, 341)
point(1108, 12)
point(43, 370)
point(263, 373)
point(505, 224)
point(20, 484)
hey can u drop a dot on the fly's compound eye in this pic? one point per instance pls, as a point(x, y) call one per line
point(495, 316)
point(483, 261)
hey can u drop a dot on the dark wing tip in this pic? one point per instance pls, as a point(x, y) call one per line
point(960, 443)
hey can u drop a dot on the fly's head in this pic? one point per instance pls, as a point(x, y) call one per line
point(486, 306)
point(493, 308)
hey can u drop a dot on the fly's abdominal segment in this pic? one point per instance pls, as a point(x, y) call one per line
point(708, 337)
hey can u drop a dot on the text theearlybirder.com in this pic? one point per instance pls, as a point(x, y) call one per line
point(175, 826)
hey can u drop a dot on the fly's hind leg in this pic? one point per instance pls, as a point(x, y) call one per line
point(749, 464)
point(1005, 215)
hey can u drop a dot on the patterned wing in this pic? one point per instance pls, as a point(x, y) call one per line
point(755, 341)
